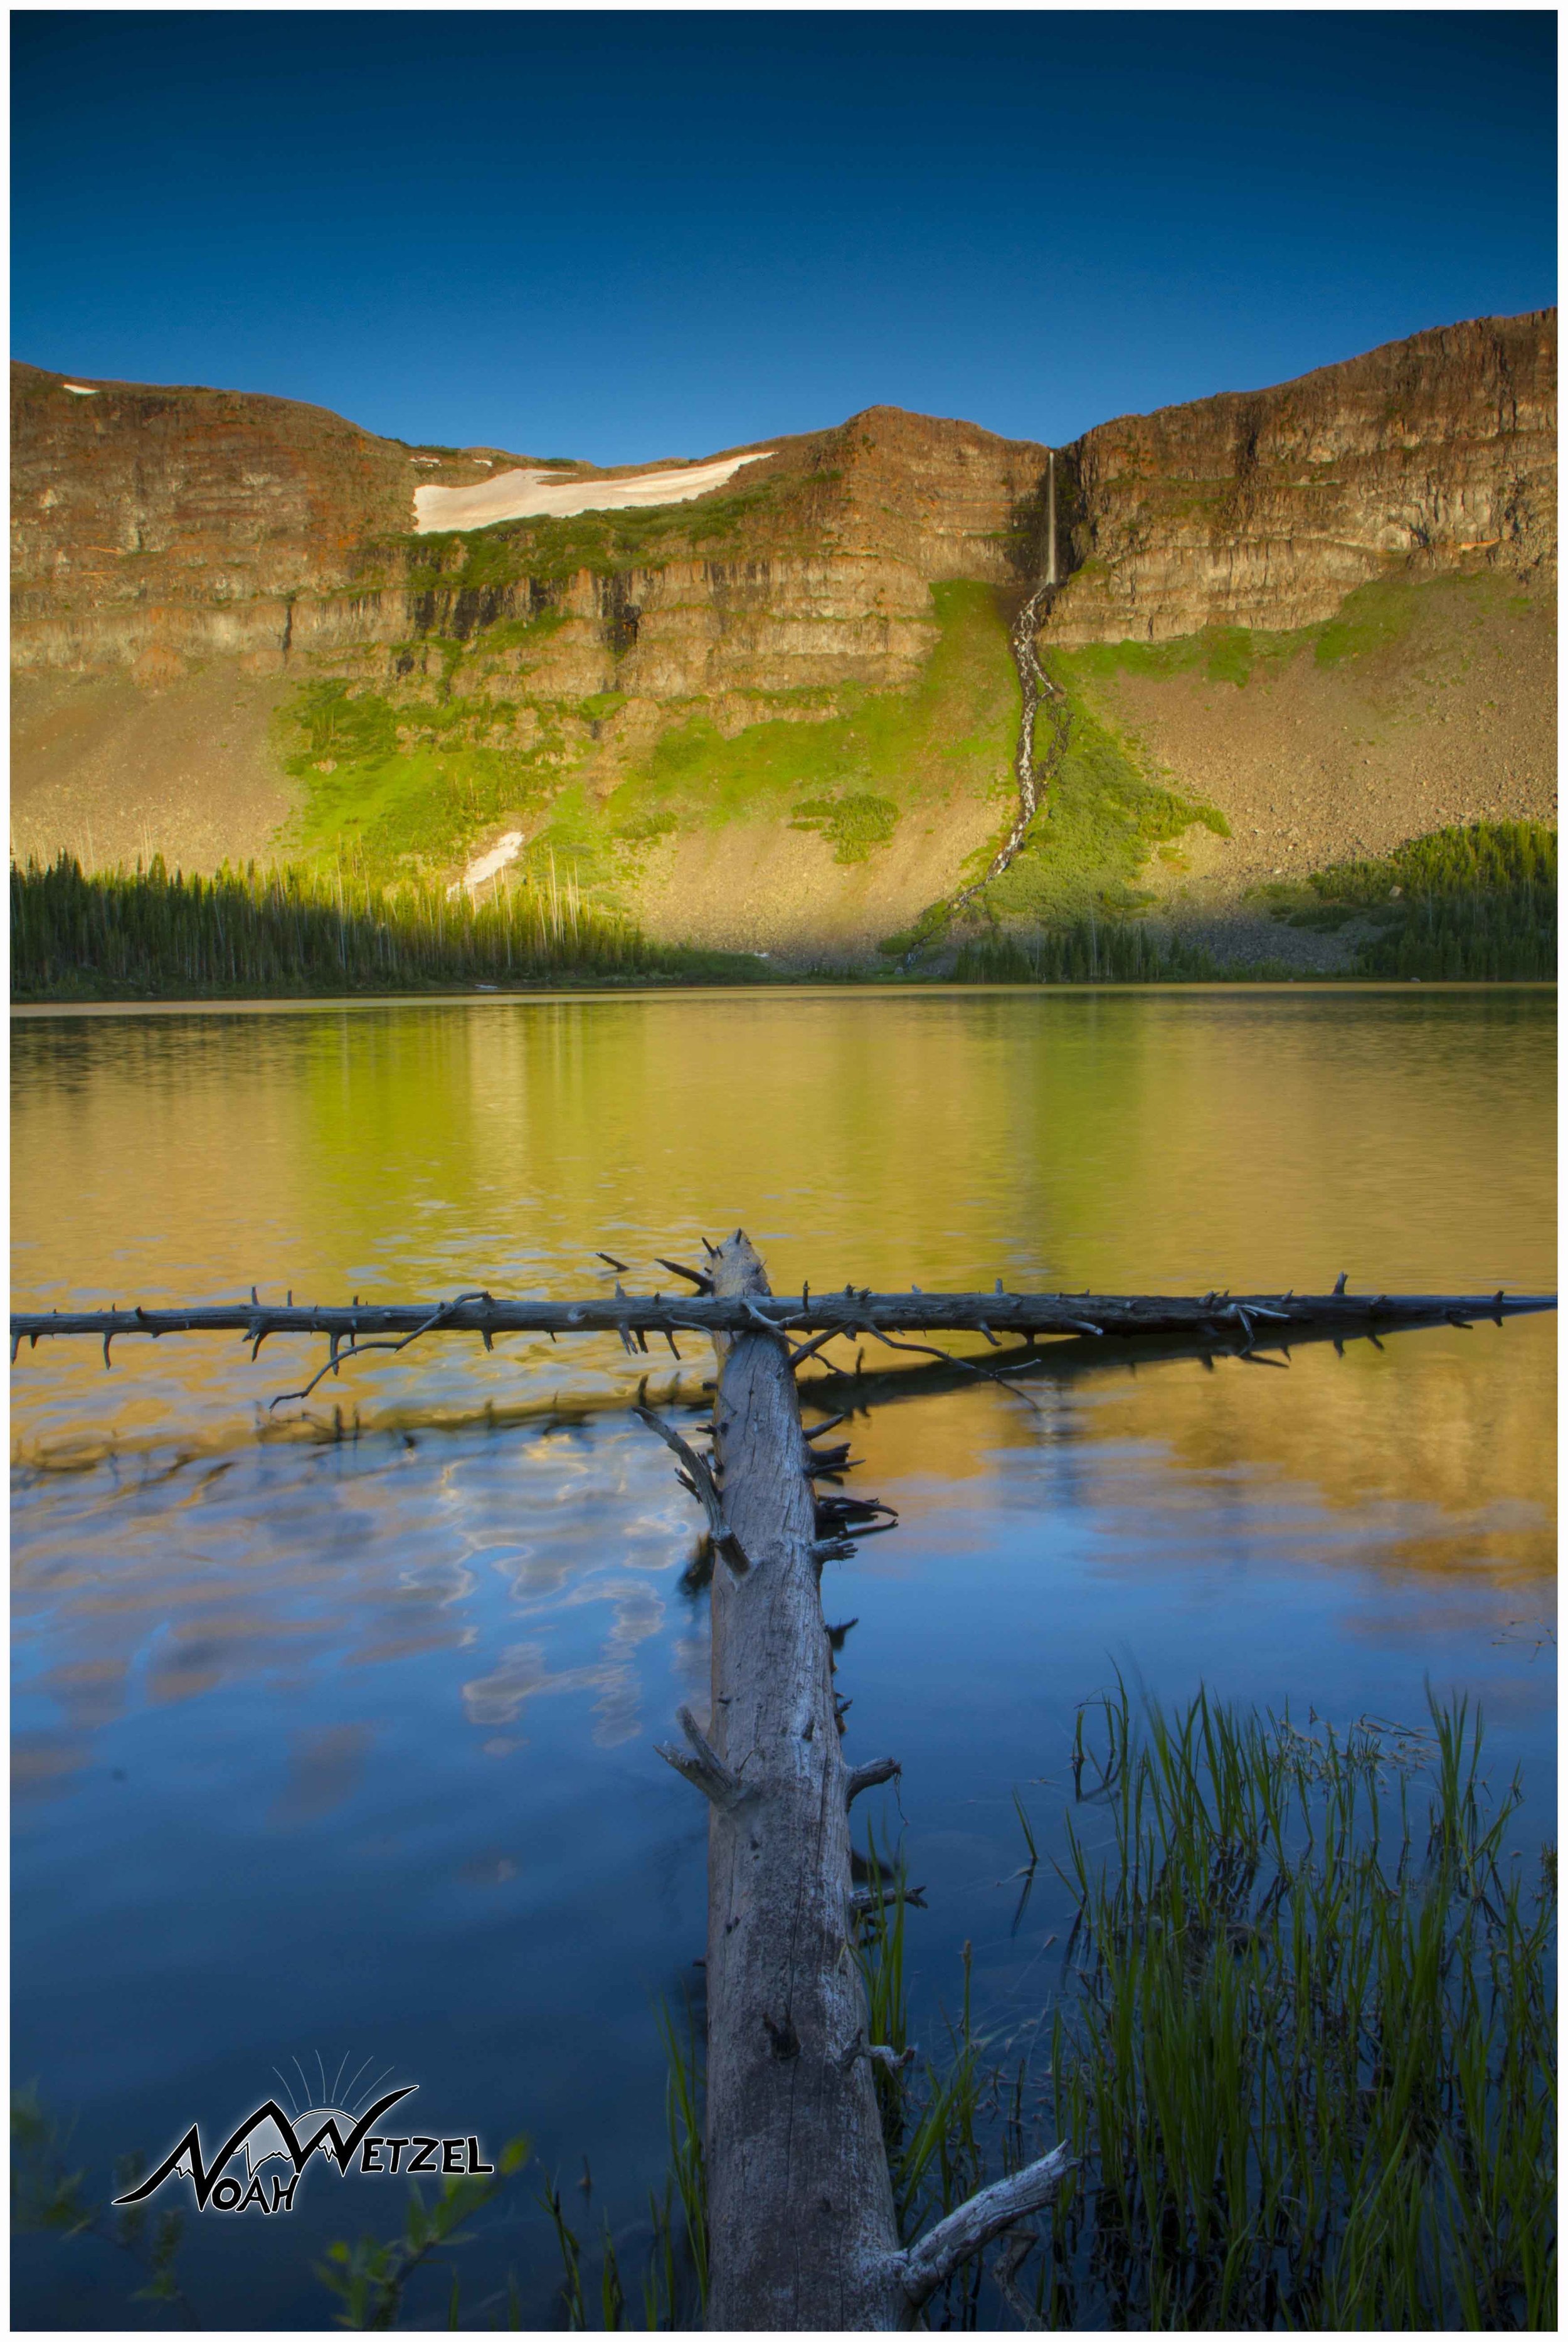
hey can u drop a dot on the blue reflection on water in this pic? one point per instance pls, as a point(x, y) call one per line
point(346, 1749)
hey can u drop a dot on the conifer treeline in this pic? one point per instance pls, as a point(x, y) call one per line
point(151, 933)
point(1467, 905)
point(1476, 904)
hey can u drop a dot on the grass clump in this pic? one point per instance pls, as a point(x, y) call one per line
point(1100, 822)
point(853, 825)
point(1466, 903)
point(1216, 654)
point(1304, 2057)
point(1310, 2074)
point(400, 788)
point(1373, 617)
point(49, 2199)
point(249, 934)
point(674, 2287)
point(394, 789)
point(334, 726)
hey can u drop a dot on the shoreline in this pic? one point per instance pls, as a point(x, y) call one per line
point(305, 1004)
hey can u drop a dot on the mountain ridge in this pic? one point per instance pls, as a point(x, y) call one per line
point(723, 712)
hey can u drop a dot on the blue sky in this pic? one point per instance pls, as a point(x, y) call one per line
point(629, 235)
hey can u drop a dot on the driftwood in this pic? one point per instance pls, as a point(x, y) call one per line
point(801, 2222)
point(851, 1313)
point(802, 2225)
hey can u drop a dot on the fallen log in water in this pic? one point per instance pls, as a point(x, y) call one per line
point(802, 2225)
point(801, 2222)
point(852, 1313)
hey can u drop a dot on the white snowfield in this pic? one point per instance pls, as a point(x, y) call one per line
point(487, 866)
point(533, 495)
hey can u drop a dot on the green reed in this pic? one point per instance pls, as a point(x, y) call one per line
point(248, 932)
point(1309, 2068)
point(1305, 2057)
point(674, 2286)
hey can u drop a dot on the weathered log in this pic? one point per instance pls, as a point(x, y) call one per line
point(849, 1313)
point(801, 2222)
point(800, 2204)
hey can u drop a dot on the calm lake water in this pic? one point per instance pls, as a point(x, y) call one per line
point(341, 1746)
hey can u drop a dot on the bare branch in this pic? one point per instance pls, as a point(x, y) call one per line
point(895, 2060)
point(833, 1548)
point(809, 1349)
point(840, 1515)
point(699, 1480)
point(1004, 2268)
point(865, 1899)
point(1020, 1315)
point(359, 1349)
point(697, 1276)
point(869, 1777)
point(700, 1764)
point(951, 1359)
point(929, 2262)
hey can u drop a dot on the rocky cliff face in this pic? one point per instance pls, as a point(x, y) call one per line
point(1264, 509)
point(152, 527)
point(148, 524)
point(786, 713)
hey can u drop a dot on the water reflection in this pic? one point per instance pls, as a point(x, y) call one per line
point(386, 1682)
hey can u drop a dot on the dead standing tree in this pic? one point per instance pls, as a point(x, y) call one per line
point(802, 2225)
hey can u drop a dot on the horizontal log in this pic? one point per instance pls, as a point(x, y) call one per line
point(848, 1313)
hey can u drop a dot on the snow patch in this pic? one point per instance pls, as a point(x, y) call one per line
point(533, 495)
point(504, 850)
point(79, 389)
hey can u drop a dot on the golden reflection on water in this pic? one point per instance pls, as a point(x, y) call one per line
point(1172, 1142)
point(402, 1688)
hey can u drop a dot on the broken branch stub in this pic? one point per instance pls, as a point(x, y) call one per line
point(699, 1480)
point(935, 2258)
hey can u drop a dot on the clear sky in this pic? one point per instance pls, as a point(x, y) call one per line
point(629, 235)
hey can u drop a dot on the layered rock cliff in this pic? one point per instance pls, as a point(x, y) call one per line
point(1264, 509)
point(156, 527)
point(783, 714)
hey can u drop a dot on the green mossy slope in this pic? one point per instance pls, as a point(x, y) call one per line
point(393, 788)
point(851, 774)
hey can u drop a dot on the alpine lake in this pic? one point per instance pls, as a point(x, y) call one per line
point(336, 1719)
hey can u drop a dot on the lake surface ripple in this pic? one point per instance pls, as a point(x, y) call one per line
point(334, 1725)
